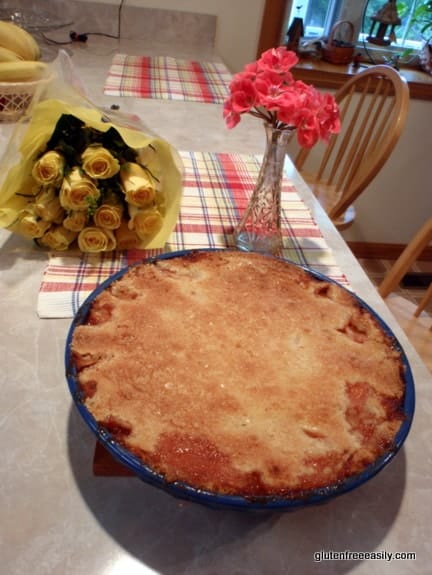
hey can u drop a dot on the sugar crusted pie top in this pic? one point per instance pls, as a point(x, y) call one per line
point(239, 374)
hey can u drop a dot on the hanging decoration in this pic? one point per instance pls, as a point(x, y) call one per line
point(385, 17)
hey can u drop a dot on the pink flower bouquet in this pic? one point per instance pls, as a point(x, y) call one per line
point(267, 89)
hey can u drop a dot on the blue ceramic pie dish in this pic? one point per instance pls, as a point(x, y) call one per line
point(222, 501)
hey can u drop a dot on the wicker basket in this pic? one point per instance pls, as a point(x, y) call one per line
point(337, 52)
point(16, 97)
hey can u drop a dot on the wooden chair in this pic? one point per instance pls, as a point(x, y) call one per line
point(373, 106)
point(404, 262)
point(417, 326)
point(417, 329)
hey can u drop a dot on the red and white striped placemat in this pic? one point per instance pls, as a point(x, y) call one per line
point(167, 78)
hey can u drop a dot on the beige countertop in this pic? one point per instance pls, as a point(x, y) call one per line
point(58, 519)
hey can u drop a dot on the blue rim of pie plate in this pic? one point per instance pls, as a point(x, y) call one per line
point(226, 501)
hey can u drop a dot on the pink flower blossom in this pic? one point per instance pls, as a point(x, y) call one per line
point(277, 59)
point(244, 95)
point(251, 69)
point(308, 129)
point(267, 89)
point(231, 118)
point(329, 117)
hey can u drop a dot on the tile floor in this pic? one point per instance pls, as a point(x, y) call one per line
point(376, 270)
point(402, 304)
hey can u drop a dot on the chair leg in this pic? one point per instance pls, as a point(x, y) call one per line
point(425, 300)
point(406, 259)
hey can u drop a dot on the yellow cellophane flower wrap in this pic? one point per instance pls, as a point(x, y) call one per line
point(159, 161)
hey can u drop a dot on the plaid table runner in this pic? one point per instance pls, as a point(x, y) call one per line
point(216, 189)
point(166, 78)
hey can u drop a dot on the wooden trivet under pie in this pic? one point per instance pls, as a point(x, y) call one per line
point(105, 465)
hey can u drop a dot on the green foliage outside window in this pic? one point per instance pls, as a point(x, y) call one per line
point(421, 22)
point(416, 18)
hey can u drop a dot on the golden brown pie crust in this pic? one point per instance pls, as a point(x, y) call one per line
point(240, 374)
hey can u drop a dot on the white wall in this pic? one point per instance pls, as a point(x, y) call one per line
point(399, 199)
point(238, 23)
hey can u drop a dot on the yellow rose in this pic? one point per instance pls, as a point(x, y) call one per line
point(126, 238)
point(98, 162)
point(145, 222)
point(32, 226)
point(109, 214)
point(49, 168)
point(47, 205)
point(93, 239)
point(75, 221)
point(138, 185)
point(57, 238)
point(78, 191)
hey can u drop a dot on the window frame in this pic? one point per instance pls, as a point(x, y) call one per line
point(276, 14)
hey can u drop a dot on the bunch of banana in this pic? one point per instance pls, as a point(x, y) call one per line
point(19, 55)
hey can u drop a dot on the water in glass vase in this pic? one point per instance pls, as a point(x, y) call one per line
point(253, 242)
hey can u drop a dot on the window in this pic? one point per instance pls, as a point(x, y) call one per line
point(320, 15)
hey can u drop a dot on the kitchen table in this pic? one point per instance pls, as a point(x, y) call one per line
point(57, 518)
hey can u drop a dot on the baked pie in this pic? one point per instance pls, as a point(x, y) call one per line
point(240, 374)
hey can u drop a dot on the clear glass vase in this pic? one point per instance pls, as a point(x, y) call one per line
point(259, 229)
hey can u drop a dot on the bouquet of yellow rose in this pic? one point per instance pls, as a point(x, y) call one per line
point(83, 182)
